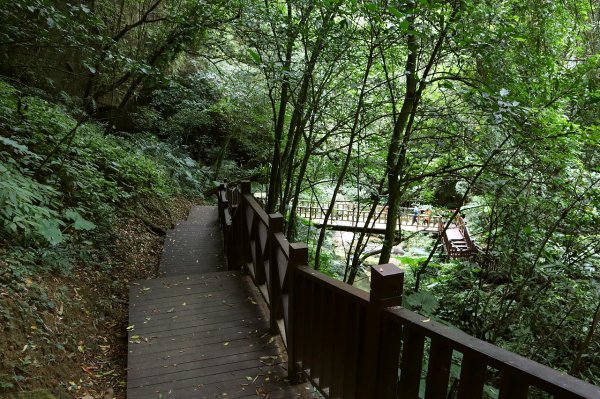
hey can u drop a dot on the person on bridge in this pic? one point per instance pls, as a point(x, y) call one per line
point(426, 218)
point(415, 218)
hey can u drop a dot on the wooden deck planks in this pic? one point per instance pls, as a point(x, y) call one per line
point(192, 250)
point(207, 215)
point(198, 332)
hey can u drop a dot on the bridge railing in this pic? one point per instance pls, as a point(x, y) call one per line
point(346, 211)
point(451, 251)
point(352, 344)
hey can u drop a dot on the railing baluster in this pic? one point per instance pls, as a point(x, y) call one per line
point(389, 356)
point(472, 377)
point(329, 338)
point(317, 334)
point(352, 351)
point(566, 395)
point(411, 364)
point(386, 290)
point(438, 373)
point(298, 255)
point(310, 326)
point(341, 330)
point(298, 324)
point(512, 386)
point(275, 226)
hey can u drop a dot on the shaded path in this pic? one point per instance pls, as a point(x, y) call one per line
point(198, 332)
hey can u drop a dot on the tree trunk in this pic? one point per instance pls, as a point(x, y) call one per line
point(396, 157)
point(353, 133)
point(583, 347)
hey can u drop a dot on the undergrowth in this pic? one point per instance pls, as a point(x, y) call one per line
point(74, 202)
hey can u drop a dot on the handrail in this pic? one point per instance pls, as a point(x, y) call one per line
point(356, 345)
point(353, 214)
point(517, 373)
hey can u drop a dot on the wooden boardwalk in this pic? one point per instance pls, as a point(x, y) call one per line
point(199, 331)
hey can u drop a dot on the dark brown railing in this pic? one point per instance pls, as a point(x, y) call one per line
point(353, 344)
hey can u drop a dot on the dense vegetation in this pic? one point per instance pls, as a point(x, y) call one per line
point(110, 110)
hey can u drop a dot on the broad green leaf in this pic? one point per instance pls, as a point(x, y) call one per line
point(404, 25)
point(12, 143)
point(255, 56)
point(424, 300)
point(82, 224)
point(394, 11)
point(50, 231)
point(371, 7)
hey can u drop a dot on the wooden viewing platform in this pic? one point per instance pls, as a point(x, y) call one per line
point(198, 331)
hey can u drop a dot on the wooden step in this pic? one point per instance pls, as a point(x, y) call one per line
point(202, 336)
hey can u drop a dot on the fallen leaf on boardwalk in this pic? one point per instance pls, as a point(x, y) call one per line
point(426, 320)
point(88, 369)
point(226, 343)
point(184, 304)
point(130, 328)
point(249, 378)
point(135, 339)
point(171, 310)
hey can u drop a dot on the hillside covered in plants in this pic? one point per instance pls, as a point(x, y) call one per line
point(117, 115)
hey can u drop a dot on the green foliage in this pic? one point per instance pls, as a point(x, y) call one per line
point(62, 182)
point(221, 123)
point(26, 206)
point(422, 302)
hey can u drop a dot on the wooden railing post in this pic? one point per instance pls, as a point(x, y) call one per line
point(221, 203)
point(223, 212)
point(244, 247)
point(381, 355)
point(298, 256)
point(275, 226)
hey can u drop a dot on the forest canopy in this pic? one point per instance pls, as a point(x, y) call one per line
point(490, 108)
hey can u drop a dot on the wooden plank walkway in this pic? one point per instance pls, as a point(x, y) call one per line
point(198, 332)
